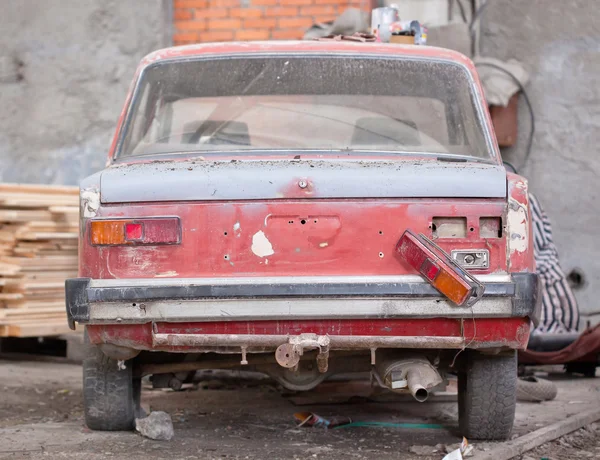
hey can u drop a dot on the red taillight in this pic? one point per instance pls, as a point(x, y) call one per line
point(112, 232)
point(133, 231)
point(437, 267)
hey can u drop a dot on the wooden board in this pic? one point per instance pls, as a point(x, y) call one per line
point(39, 229)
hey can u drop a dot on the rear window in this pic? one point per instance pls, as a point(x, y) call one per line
point(334, 103)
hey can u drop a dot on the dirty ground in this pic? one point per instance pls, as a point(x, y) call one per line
point(41, 416)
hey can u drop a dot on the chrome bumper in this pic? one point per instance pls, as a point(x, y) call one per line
point(138, 301)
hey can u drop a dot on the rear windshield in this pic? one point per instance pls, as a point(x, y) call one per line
point(334, 103)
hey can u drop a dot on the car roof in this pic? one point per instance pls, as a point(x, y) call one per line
point(306, 47)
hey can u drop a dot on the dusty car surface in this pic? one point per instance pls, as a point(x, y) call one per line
point(305, 209)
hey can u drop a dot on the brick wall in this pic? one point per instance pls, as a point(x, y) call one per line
point(225, 20)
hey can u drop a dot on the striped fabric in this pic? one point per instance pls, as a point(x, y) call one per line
point(559, 306)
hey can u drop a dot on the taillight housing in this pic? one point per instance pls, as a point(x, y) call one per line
point(439, 269)
point(143, 231)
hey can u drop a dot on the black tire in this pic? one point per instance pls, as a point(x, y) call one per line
point(487, 389)
point(111, 396)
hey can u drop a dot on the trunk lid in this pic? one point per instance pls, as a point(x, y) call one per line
point(272, 179)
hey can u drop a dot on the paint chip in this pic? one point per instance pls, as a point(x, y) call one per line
point(261, 246)
point(324, 244)
point(168, 274)
point(90, 202)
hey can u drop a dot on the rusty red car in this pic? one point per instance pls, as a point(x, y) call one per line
point(304, 209)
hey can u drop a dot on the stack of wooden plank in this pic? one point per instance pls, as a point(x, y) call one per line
point(38, 251)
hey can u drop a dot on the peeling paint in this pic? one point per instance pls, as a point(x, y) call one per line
point(261, 246)
point(324, 244)
point(90, 202)
point(169, 274)
point(517, 226)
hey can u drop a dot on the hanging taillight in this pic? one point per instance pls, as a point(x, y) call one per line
point(439, 269)
point(152, 231)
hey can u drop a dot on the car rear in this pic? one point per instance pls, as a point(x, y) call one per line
point(254, 207)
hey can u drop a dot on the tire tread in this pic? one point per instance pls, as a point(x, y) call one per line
point(487, 396)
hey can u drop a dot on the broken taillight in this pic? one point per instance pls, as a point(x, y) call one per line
point(163, 230)
point(439, 269)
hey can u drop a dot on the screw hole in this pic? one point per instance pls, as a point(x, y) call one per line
point(380, 232)
point(303, 221)
point(472, 229)
point(226, 257)
point(134, 304)
point(290, 222)
point(287, 355)
point(315, 221)
point(225, 233)
point(381, 255)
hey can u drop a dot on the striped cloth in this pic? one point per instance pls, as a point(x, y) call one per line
point(559, 306)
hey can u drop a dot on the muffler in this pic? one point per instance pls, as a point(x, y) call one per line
point(416, 374)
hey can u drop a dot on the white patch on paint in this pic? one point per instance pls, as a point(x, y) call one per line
point(261, 246)
point(518, 238)
point(90, 202)
point(236, 227)
point(324, 244)
point(168, 274)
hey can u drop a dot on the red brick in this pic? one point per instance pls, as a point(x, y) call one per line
point(211, 13)
point(245, 13)
point(266, 2)
point(180, 15)
point(260, 23)
point(216, 36)
point(326, 18)
point(190, 4)
point(252, 35)
point(190, 25)
point(282, 11)
point(185, 37)
point(288, 23)
point(299, 2)
point(317, 10)
point(224, 3)
point(343, 3)
point(218, 24)
point(288, 34)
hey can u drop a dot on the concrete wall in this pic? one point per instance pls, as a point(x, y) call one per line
point(65, 67)
point(558, 41)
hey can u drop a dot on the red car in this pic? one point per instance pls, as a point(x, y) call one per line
point(305, 209)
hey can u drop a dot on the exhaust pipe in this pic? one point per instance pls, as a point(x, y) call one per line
point(416, 374)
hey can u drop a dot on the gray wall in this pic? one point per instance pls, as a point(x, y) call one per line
point(558, 41)
point(65, 67)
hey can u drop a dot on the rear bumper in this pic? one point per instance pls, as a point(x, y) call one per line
point(141, 301)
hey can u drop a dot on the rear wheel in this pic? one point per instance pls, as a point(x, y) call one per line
point(111, 396)
point(487, 389)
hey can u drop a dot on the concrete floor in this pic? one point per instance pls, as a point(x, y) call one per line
point(41, 415)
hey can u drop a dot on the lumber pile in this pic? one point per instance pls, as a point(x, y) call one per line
point(38, 251)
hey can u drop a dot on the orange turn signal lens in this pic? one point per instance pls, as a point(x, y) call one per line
point(103, 232)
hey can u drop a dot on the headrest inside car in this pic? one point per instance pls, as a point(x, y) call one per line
point(218, 132)
point(385, 131)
